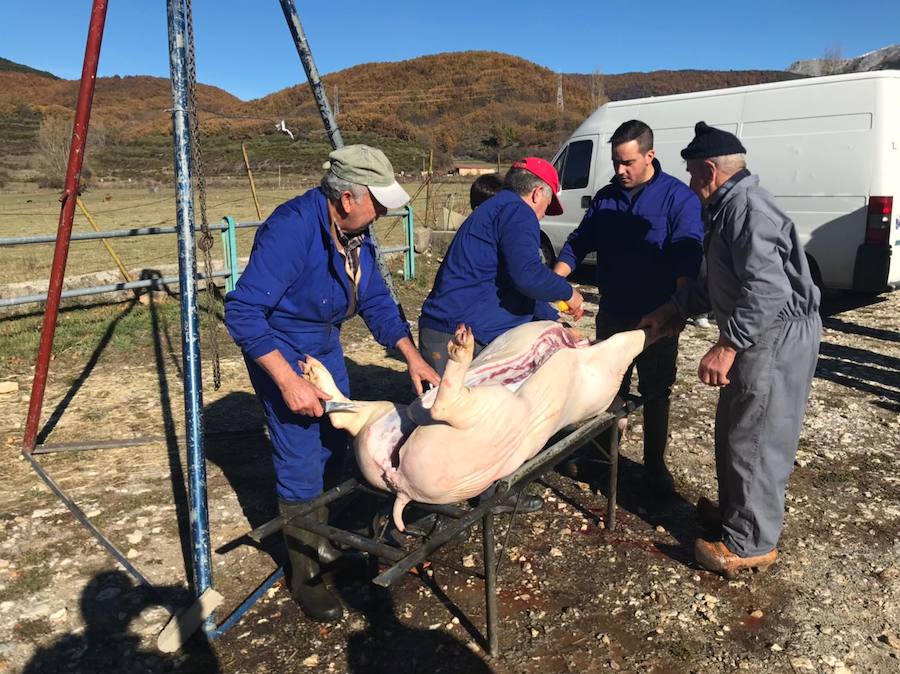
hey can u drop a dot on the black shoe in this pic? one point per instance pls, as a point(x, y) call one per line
point(581, 469)
point(528, 503)
point(424, 526)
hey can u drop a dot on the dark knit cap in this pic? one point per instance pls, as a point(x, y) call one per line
point(711, 142)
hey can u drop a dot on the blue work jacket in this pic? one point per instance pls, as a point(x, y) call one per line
point(492, 273)
point(643, 244)
point(295, 292)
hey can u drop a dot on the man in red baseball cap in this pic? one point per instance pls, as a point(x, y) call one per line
point(492, 278)
point(545, 171)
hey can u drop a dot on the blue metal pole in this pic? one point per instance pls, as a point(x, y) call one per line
point(190, 320)
point(312, 73)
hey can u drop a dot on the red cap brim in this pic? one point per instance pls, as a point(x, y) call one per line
point(555, 208)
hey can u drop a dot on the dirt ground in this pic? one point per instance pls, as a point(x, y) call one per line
point(573, 596)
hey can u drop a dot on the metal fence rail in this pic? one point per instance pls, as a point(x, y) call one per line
point(231, 272)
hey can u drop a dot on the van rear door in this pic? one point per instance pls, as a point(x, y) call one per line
point(575, 164)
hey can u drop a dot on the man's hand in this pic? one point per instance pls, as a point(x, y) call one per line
point(419, 370)
point(575, 306)
point(664, 321)
point(716, 364)
point(301, 396)
point(562, 269)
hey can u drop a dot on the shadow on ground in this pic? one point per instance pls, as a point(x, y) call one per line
point(110, 603)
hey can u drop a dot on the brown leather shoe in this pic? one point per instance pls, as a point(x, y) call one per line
point(715, 556)
point(708, 514)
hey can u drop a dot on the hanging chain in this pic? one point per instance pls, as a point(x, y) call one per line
point(205, 242)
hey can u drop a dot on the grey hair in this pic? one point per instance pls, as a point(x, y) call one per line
point(333, 187)
point(730, 163)
point(522, 182)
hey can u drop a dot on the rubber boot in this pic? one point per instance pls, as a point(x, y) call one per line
point(328, 554)
point(307, 586)
point(656, 432)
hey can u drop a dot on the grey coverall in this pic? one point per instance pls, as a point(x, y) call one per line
point(756, 280)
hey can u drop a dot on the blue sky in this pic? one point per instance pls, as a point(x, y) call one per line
point(244, 46)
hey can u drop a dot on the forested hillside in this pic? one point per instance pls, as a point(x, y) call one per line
point(461, 105)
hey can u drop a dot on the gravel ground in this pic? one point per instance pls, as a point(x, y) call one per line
point(573, 596)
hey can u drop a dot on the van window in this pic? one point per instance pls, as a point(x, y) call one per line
point(577, 164)
point(561, 161)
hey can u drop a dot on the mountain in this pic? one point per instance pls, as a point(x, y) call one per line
point(12, 66)
point(462, 105)
point(880, 59)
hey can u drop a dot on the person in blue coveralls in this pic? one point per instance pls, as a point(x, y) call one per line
point(311, 268)
point(492, 278)
point(647, 232)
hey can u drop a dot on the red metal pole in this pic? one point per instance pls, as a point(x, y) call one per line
point(66, 215)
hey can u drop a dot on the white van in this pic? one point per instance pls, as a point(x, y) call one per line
point(828, 148)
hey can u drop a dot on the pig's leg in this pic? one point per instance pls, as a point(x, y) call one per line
point(353, 421)
point(319, 376)
point(451, 389)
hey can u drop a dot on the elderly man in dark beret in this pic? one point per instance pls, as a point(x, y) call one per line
point(756, 280)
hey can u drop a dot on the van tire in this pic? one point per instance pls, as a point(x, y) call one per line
point(814, 272)
point(548, 257)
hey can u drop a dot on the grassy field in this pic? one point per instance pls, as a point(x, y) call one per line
point(27, 210)
point(124, 328)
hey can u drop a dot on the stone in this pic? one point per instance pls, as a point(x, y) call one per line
point(422, 239)
point(9, 387)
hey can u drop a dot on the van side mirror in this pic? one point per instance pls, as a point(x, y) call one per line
point(585, 201)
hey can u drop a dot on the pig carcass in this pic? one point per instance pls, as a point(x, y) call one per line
point(488, 415)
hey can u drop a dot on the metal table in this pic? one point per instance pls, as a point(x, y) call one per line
point(461, 519)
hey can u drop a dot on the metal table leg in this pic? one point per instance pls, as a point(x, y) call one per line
point(613, 476)
point(490, 581)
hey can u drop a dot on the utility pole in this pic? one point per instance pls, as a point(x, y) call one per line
point(560, 103)
point(428, 188)
point(597, 92)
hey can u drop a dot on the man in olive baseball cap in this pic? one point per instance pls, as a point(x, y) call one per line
point(313, 267)
point(364, 165)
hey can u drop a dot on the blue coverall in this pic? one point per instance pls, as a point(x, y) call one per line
point(293, 296)
point(492, 274)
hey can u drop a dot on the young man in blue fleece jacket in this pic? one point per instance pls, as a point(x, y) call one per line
point(312, 267)
point(647, 231)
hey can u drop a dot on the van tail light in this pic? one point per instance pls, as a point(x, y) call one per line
point(878, 220)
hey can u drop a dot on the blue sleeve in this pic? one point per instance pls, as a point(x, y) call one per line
point(544, 311)
point(378, 309)
point(276, 261)
point(686, 238)
point(582, 240)
point(519, 243)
